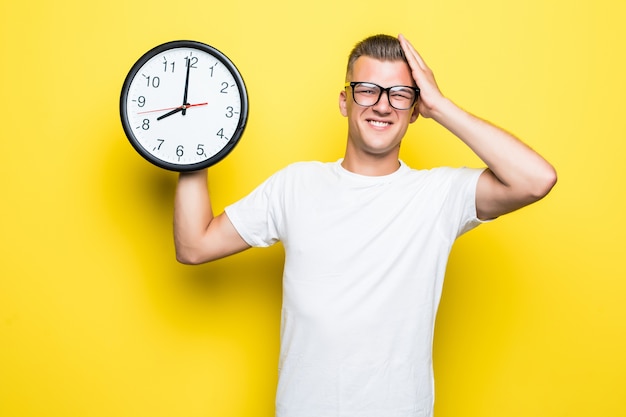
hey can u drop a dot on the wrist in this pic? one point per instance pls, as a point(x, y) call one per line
point(443, 110)
point(193, 176)
point(201, 172)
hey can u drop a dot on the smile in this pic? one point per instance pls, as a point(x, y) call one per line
point(378, 123)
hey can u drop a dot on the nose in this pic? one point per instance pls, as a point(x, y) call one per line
point(383, 105)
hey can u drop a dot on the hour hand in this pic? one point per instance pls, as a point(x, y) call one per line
point(176, 110)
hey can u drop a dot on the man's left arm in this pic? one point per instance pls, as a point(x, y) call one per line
point(516, 174)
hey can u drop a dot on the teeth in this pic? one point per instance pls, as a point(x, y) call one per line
point(377, 123)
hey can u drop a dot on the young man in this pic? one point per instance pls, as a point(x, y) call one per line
point(366, 239)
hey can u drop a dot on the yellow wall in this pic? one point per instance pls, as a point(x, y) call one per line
point(97, 318)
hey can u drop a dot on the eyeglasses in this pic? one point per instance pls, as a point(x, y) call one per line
point(401, 97)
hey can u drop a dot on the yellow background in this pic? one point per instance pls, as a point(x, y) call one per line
point(98, 319)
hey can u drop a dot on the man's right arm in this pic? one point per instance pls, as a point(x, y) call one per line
point(199, 236)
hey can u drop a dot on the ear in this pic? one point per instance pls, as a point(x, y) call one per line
point(415, 114)
point(343, 103)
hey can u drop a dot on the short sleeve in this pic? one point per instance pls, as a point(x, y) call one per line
point(461, 199)
point(256, 217)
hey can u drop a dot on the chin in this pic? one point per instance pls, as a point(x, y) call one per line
point(381, 146)
point(381, 151)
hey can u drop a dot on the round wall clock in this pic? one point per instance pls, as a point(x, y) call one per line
point(184, 106)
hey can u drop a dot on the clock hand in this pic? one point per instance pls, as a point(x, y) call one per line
point(186, 86)
point(176, 110)
point(172, 108)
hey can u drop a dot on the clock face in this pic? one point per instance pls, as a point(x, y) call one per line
point(184, 106)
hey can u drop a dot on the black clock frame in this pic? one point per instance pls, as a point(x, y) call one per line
point(243, 94)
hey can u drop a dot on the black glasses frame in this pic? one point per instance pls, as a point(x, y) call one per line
point(382, 90)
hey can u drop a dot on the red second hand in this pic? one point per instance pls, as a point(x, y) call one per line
point(172, 108)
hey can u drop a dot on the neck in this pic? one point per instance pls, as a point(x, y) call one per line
point(371, 165)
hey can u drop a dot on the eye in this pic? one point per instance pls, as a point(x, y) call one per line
point(366, 89)
point(403, 94)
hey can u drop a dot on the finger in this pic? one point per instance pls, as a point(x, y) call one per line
point(411, 53)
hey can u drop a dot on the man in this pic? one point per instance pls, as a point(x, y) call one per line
point(366, 238)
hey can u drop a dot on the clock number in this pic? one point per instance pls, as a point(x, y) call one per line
point(212, 68)
point(224, 87)
point(158, 148)
point(230, 112)
point(153, 81)
point(141, 101)
point(220, 133)
point(146, 124)
point(180, 151)
point(192, 61)
point(200, 150)
point(173, 64)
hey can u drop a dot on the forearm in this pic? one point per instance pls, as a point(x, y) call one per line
point(512, 162)
point(192, 213)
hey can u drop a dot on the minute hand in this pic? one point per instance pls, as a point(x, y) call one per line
point(184, 106)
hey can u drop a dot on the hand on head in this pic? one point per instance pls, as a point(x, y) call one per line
point(430, 95)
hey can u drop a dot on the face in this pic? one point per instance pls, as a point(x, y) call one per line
point(379, 129)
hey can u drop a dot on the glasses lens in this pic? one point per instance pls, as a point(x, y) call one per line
point(366, 94)
point(401, 98)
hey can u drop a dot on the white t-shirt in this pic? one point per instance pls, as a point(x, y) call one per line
point(365, 259)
